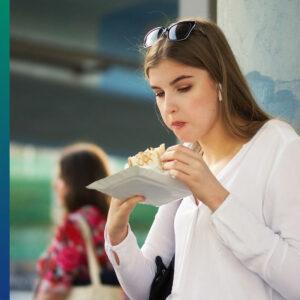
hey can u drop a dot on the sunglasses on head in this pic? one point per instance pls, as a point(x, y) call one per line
point(179, 31)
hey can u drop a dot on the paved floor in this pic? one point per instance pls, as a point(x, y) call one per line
point(18, 295)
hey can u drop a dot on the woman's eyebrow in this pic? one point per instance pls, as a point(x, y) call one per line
point(174, 81)
point(180, 78)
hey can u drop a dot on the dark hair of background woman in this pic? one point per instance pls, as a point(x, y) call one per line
point(80, 165)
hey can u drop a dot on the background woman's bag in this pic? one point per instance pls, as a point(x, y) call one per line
point(96, 290)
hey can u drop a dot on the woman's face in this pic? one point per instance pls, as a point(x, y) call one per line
point(187, 99)
point(61, 189)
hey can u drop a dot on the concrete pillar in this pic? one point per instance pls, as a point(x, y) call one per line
point(264, 35)
point(195, 8)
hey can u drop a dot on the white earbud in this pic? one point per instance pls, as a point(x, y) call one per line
point(220, 92)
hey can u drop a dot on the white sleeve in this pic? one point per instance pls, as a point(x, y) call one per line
point(137, 267)
point(272, 252)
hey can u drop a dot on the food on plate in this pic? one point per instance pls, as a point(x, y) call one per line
point(150, 158)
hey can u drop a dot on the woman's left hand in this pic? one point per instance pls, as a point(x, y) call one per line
point(188, 166)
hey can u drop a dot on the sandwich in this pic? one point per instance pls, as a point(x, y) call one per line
point(150, 158)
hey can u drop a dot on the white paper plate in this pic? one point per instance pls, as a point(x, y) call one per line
point(157, 188)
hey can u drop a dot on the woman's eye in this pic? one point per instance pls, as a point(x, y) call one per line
point(184, 89)
point(159, 94)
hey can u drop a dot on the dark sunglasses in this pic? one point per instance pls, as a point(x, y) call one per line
point(175, 32)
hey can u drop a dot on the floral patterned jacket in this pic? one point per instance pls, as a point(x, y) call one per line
point(65, 260)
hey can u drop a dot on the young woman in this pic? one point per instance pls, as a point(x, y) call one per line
point(65, 262)
point(238, 235)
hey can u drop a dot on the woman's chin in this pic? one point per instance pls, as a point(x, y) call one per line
point(185, 139)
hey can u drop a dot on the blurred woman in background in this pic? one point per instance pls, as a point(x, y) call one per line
point(64, 264)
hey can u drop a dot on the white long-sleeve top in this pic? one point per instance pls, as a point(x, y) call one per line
point(249, 248)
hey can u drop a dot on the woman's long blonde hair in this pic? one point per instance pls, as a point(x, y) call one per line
point(207, 48)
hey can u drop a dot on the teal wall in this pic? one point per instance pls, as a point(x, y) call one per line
point(265, 37)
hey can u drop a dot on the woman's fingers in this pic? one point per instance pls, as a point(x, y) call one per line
point(130, 203)
point(184, 149)
point(120, 210)
point(121, 206)
point(182, 159)
point(118, 217)
point(180, 176)
point(180, 153)
point(177, 165)
point(115, 202)
point(186, 173)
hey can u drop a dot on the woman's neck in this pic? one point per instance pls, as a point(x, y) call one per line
point(219, 145)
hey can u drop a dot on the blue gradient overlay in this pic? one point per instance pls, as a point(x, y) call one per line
point(4, 150)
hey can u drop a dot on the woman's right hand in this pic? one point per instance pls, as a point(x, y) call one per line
point(118, 218)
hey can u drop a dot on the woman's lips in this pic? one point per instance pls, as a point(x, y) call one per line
point(178, 124)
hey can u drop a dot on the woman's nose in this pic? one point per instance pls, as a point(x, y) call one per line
point(170, 104)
